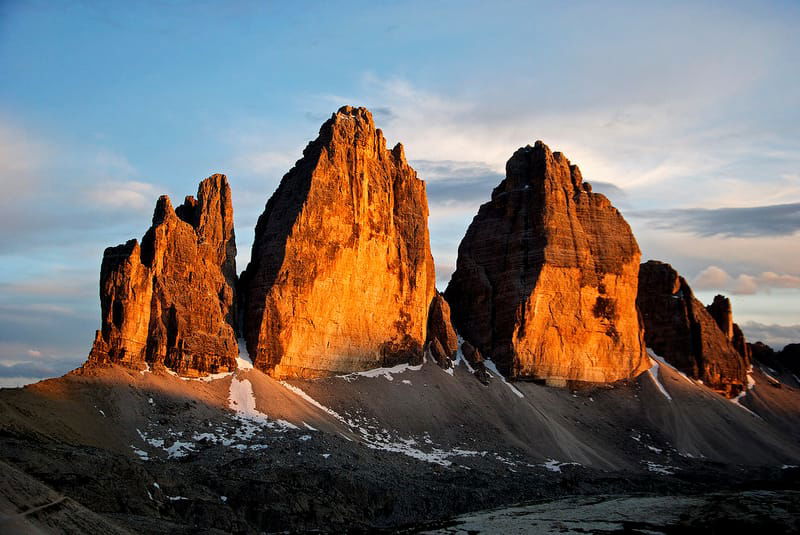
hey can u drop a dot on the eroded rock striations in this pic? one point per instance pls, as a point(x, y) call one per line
point(546, 277)
point(680, 329)
point(341, 274)
point(170, 300)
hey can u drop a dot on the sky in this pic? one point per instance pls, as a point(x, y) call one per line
point(686, 115)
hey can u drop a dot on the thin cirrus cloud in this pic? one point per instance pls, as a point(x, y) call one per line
point(749, 222)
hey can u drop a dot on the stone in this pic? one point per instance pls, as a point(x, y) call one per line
point(546, 278)
point(341, 274)
point(680, 329)
point(442, 338)
point(170, 301)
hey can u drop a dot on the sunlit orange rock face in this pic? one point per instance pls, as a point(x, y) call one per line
point(341, 274)
point(546, 277)
point(680, 329)
point(169, 301)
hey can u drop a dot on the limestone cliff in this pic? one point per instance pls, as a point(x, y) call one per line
point(680, 329)
point(169, 301)
point(546, 277)
point(341, 273)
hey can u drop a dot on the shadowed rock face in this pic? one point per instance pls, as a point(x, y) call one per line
point(341, 274)
point(169, 301)
point(680, 329)
point(722, 312)
point(546, 277)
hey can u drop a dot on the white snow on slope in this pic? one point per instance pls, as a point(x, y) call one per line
point(381, 372)
point(555, 466)
point(492, 368)
point(377, 439)
point(313, 401)
point(751, 384)
point(243, 361)
point(653, 371)
point(662, 361)
point(242, 400)
point(460, 356)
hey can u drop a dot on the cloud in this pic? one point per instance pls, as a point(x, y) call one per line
point(116, 195)
point(775, 336)
point(464, 183)
point(37, 369)
point(771, 220)
point(716, 278)
point(616, 194)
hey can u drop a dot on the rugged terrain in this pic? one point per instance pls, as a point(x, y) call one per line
point(389, 448)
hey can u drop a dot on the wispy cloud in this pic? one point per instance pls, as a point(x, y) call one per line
point(774, 220)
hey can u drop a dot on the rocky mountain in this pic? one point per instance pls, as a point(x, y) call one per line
point(546, 277)
point(341, 274)
point(360, 410)
point(681, 330)
point(170, 300)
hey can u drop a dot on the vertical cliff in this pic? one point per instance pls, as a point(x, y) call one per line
point(341, 273)
point(170, 300)
point(546, 277)
point(680, 329)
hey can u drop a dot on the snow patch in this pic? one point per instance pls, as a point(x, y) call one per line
point(406, 381)
point(381, 372)
point(555, 466)
point(660, 468)
point(663, 361)
point(460, 356)
point(653, 371)
point(492, 368)
point(179, 449)
point(312, 401)
point(243, 361)
point(143, 455)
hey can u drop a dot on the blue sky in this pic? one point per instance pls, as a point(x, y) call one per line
point(686, 114)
